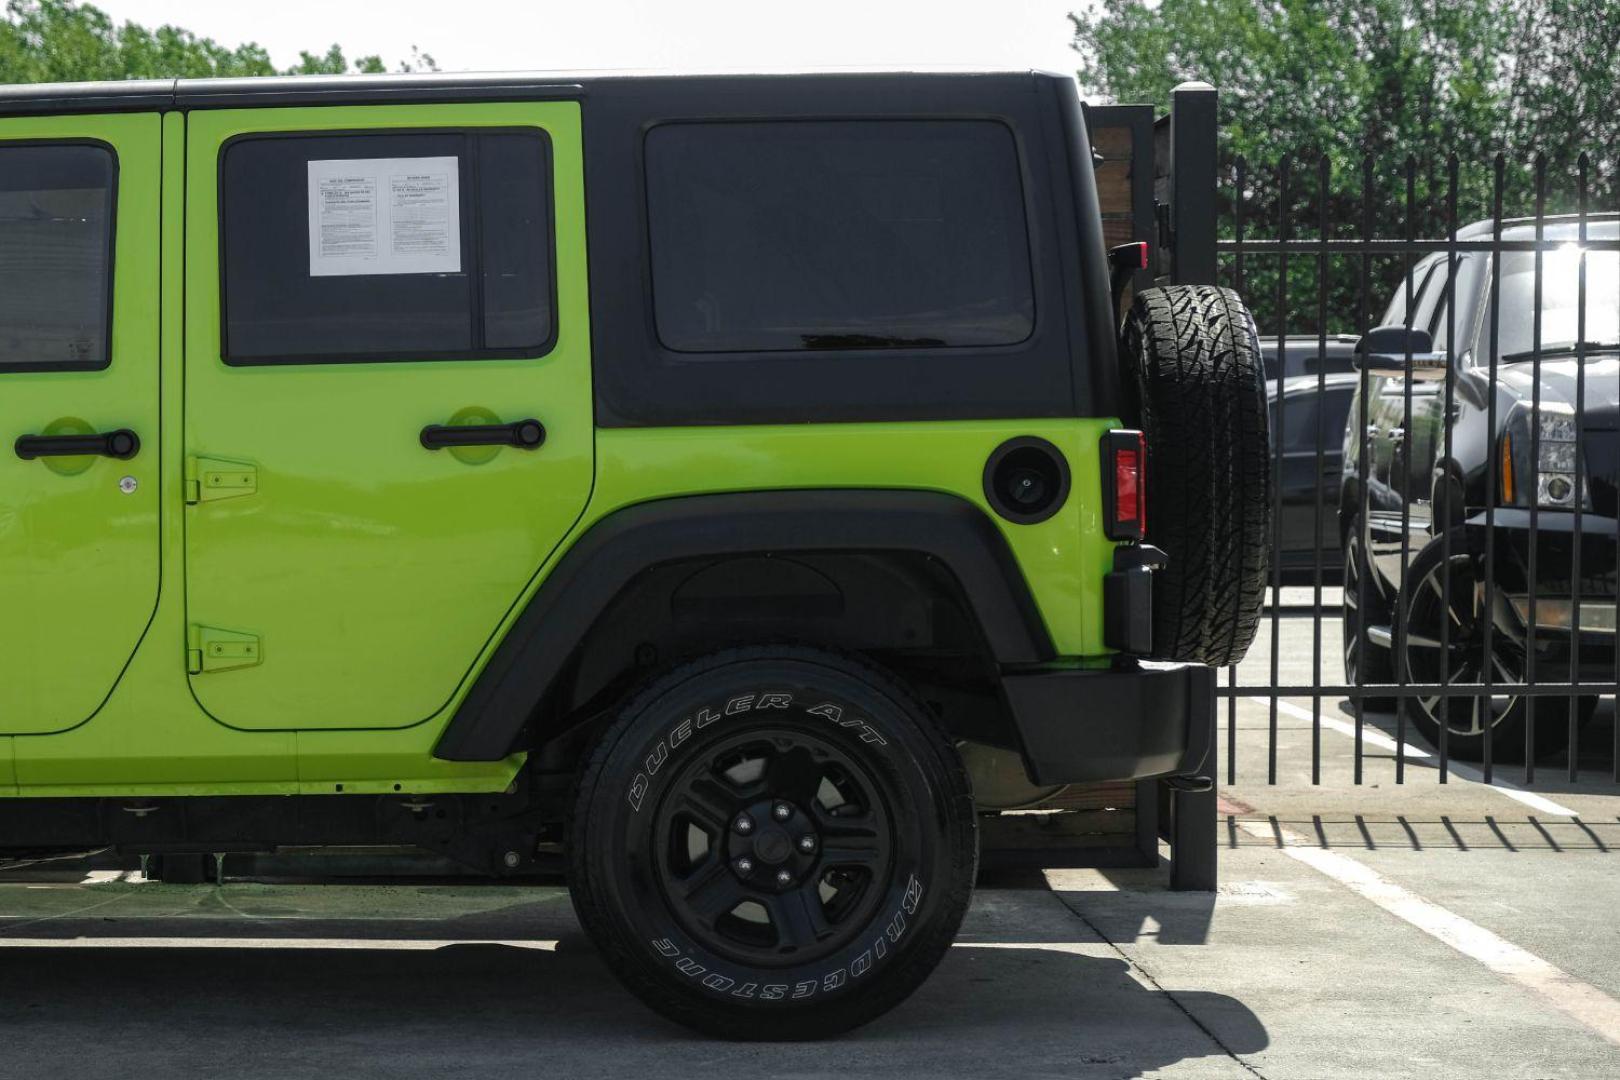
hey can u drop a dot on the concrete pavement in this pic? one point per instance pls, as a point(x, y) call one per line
point(1372, 930)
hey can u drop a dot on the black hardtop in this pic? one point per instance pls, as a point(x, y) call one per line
point(166, 95)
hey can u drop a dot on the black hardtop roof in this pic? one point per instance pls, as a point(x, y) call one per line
point(149, 95)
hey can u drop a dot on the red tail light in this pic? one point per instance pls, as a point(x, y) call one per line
point(1124, 468)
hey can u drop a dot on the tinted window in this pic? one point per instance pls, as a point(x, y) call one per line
point(1336, 413)
point(821, 235)
point(1456, 306)
point(1395, 314)
point(1298, 425)
point(1300, 418)
point(1428, 301)
point(443, 253)
point(56, 211)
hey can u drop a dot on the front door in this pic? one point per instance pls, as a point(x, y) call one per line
point(380, 302)
point(78, 410)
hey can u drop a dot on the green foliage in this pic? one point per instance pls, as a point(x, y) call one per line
point(65, 41)
point(1425, 79)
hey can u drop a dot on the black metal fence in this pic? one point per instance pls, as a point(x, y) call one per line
point(1443, 366)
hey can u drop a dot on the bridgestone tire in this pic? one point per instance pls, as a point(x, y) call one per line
point(863, 780)
point(1195, 380)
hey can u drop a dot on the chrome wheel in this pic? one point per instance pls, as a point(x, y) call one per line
point(1366, 664)
point(1445, 644)
point(1350, 618)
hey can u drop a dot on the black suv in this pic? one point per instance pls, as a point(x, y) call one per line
point(1547, 458)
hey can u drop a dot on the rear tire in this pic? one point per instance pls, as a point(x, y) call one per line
point(843, 891)
point(1195, 379)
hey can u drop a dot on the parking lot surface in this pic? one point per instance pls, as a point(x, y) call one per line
point(1378, 930)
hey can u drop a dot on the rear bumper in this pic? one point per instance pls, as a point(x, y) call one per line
point(1085, 726)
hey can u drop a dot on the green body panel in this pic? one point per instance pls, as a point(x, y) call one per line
point(78, 557)
point(377, 577)
point(150, 737)
point(1063, 558)
point(373, 570)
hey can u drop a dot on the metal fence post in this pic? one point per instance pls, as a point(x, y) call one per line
point(1189, 816)
point(1192, 183)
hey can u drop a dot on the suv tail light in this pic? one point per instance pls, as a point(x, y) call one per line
point(1124, 469)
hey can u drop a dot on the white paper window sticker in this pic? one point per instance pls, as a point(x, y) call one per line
point(385, 216)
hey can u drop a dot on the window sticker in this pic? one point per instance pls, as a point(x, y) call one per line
point(385, 216)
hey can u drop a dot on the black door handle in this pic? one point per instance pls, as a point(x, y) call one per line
point(122, 444)
point(523, 434)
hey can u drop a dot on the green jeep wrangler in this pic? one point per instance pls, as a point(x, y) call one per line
point(660, 479)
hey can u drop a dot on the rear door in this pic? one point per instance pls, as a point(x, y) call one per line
point(78, 370)
point(358, 280)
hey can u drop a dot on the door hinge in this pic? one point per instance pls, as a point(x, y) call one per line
point(208, 649)
point(212, 479)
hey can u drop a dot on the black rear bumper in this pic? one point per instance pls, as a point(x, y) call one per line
point(1083, 726)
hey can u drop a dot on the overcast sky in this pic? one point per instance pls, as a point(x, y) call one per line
point(497, 35)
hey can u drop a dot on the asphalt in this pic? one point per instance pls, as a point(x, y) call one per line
point(1286, 971)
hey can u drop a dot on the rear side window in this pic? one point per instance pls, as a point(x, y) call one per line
point(867, 234)
point(409, 246)
point(56, 250)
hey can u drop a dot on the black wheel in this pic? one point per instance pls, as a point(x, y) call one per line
point(1195, 380)
point(1459, 656)
point(773, 844)
point(1377, 664)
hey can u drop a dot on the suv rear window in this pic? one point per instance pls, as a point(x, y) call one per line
point(56, 238)
point(397, 272)
point(808, 234)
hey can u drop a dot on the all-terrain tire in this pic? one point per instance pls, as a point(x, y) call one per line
point(824, 750)
point(1196, 384)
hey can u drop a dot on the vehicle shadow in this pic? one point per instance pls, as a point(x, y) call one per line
point(401, 998)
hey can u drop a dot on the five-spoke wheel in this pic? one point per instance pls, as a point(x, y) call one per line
point(772, 843)
point(1453, 635)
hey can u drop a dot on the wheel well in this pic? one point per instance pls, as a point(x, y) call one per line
point(903, 610)
point(874, 571)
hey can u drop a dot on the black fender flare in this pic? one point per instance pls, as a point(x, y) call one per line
point(623, 544)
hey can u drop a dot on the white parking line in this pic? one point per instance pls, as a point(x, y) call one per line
point(1373, 737)
point(1579, 1000)
point(402, 944)
point(1369, 734)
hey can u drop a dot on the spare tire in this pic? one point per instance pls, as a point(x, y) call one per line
point(1195, 383)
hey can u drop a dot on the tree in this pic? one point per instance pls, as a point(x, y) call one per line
point(1564, 87)
point(65, 41)
point(1387, 78)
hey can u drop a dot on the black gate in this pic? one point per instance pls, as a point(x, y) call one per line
point(1443, 340)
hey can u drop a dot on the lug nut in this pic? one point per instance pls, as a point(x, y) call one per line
point(781, 811)
point(784, 878)
point(807, 843)
point(744, 825)
point(744, 865)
